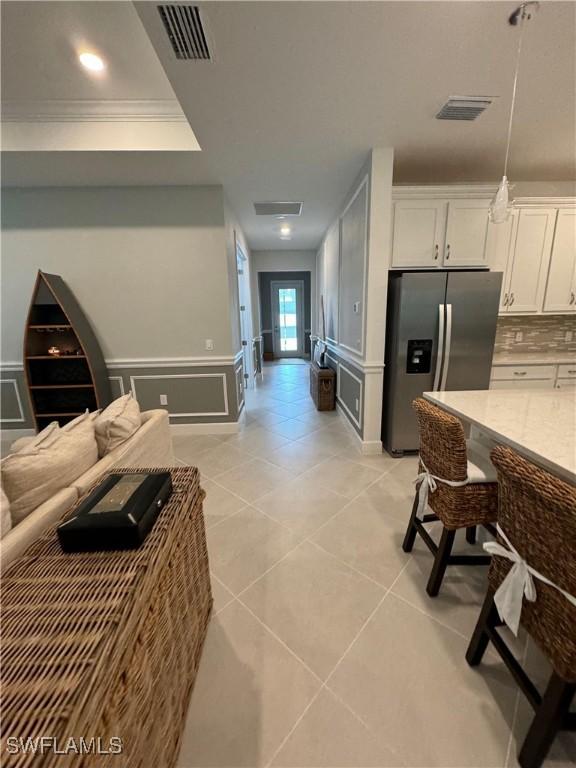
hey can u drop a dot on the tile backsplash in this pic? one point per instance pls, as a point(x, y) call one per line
point(540, 333)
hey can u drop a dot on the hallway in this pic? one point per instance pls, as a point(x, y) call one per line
point(323, 649)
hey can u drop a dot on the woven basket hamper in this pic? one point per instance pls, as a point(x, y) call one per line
point(323, 387)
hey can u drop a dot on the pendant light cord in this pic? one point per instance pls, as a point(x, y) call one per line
point(522, 17)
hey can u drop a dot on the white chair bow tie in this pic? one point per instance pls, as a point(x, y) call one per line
point(426, 483)
point(519, 583)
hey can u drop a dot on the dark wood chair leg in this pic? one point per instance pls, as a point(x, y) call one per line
point(411, 531)
point(547, 721)
point(471, 534)
point(440, 562)
point(488, 618)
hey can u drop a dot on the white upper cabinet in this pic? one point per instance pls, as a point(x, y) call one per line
point(499, 250)
point(438, 233)
point(528, 263)
point(418, 233)
point(466, 232)
point(560, 293)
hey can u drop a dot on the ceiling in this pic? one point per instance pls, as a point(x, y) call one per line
point(50, 102)
point(299, 92)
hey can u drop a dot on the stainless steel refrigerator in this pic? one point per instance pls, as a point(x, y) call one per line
point(439, 336)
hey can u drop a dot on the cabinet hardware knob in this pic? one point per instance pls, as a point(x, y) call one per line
point(519, 373)
point(571, 371)
point(572, 297)
point(511, 300)
point(505, 302)
point(447, 252)
point(436, 252)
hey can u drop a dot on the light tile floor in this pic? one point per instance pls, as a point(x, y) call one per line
point(324, 649)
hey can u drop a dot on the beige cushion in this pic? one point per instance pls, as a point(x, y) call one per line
point(480, 467)
point(37, 472)
point(5, 519)
point(22, 536)
point(48, 433)
point(85, 420)
point(117, 423)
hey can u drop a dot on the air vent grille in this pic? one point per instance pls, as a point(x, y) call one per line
point(278, 209)
point(184, 27)
point(464, 107)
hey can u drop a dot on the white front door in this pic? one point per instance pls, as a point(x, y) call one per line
point(288, 318)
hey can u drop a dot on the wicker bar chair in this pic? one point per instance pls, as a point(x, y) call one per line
point(538, 516)
point(446, 454)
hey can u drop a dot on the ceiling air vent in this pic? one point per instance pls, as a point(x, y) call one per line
point(278, 209)
point(185, 30)
point(464, 107)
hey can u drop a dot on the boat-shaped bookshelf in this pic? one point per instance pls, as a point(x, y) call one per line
point(63, 362)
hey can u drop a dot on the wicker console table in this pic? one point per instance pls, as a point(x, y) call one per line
point(106, 645)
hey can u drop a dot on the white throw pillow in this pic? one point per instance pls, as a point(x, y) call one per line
point(37, 472)
point(5, 519)
point(117, 423)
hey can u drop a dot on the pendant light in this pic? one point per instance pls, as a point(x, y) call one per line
point(500, 206)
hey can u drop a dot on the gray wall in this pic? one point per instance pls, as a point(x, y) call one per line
point(147, 264)
point(154, 270)
point(264, 289)
point(350, 383)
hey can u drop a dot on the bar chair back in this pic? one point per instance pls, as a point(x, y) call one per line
point(537, 514)
point(466, 493)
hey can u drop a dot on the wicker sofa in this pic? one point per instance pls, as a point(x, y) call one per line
point(151, 446)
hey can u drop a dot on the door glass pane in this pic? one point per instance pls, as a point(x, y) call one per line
point(288, 322)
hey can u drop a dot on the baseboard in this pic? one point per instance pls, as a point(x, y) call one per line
point(219, 428)
point(371, 447)
point(367, 447)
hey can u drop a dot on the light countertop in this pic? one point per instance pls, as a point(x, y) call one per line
point(534, 358)
point(540, 424)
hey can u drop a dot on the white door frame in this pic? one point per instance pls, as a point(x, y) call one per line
point(299, 286)
point(245, 318)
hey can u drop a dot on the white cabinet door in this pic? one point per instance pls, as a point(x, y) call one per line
point(532, 247)
point(500, 252)
point(560, 288)
point(466, 231)
point(418, 233)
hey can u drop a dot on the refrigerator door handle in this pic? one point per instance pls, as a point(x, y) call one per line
point(440, 352)
point(447, 346)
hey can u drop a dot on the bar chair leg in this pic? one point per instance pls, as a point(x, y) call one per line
point(440, 562)
point(488, 619)
point(547, 721)
point(411, 531)
point(471, 534)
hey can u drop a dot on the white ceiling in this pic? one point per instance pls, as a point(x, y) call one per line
point(300, 91)
point(50, 102)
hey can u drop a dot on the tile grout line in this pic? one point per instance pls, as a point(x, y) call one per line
point(325, 685)
point(307, 539)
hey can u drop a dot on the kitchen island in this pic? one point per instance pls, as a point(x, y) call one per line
point(539, 424)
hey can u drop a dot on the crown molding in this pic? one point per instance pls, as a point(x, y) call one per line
point(92, 110)
point(401, 191)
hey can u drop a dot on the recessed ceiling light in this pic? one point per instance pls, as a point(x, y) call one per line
point(91, 61)
point(285, 230)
